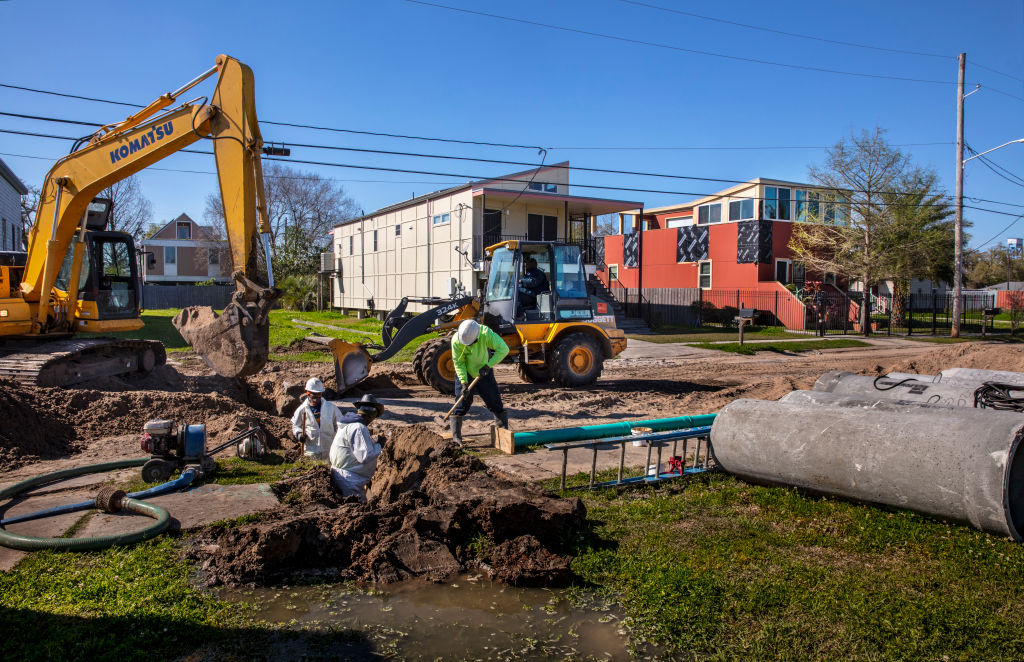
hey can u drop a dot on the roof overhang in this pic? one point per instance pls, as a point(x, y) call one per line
point(577, 204)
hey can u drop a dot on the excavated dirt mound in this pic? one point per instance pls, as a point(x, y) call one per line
point(32, 429)
point(432, 512)
point(982, 356)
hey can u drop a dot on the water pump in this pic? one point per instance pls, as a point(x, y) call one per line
point(175, 446)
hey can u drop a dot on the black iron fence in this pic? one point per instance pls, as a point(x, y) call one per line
point(928, 314)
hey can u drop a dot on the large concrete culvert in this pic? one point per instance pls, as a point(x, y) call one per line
point(959, 464)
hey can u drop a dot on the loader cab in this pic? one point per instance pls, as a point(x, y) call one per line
point(535, 283)
point(108, 281)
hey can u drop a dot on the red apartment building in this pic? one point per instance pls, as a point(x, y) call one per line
point(732, 246)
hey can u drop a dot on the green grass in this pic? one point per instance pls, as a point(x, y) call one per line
point(674, 334)
point(157, 327)
point(783, 347)
point(715, 568)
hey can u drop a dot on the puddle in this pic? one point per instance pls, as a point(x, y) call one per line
point(468, 618)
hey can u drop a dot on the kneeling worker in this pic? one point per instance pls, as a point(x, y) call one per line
point(354, 453)
point(472, 348)
point(316, 421)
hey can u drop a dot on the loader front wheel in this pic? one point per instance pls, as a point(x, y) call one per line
point(438, 367)
point(534, 374)
point(577, 360)
point(417, 362)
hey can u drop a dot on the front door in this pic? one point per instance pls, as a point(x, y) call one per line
point(541, 228)
point(492, 227)
point(782, 271)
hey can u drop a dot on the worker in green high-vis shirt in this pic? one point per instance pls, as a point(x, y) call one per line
point(475, 351)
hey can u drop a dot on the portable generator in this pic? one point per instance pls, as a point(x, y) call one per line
point(174, 446)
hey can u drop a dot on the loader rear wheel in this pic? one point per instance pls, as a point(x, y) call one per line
point(417, 362)
point(438, 366)
point(534, 374)
point(577, 360)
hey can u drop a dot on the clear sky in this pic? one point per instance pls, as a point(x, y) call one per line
point(608, 101)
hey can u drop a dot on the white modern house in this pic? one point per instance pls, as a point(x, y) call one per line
point(419, 247)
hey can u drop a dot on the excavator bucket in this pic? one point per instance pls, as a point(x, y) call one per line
point(234, 344)
point(351, 363)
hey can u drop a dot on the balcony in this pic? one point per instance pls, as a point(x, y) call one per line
point(586, 244)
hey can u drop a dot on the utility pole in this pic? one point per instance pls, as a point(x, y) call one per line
point(958, 255)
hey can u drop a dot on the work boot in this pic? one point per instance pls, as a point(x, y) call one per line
point(501, 419)
point(456, 424)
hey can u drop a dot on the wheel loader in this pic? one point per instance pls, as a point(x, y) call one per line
point(552, 335)
point(77, 276)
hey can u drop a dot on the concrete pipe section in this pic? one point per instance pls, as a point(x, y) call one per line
point(864, 401)
point(849, 384)
point(979, 377)
point(959, 464)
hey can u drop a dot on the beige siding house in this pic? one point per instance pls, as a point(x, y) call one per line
point(185, 252)
point(419, 247)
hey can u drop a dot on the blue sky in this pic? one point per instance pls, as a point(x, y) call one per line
point(400, 67)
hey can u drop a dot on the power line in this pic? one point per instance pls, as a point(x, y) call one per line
point(671, 47)
point(995, 202)
point(783, 32)
point(996, 235)
point(767, 147)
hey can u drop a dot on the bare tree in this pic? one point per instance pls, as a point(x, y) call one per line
point(131, 211)
point(29, 203)
point(847, 229)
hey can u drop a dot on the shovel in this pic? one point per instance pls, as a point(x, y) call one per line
point(462, 397)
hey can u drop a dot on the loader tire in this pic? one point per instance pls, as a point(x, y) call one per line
point(438, 367)
point(417, 362)
point(534, 374)
point(577, 360)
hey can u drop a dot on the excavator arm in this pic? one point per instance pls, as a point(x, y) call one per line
point(235, 344)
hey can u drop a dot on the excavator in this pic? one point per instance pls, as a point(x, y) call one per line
point(77, 276)
point(553, 335)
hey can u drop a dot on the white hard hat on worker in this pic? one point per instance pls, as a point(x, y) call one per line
point(468, 332)
point(314, 385)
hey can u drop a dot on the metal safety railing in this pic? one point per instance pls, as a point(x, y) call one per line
point(703, 458)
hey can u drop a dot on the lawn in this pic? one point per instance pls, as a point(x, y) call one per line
point(716, 568)
point(783, 347)
point(674, 334)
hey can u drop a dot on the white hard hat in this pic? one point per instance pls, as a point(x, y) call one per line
point(468, 332)
point(314, 385)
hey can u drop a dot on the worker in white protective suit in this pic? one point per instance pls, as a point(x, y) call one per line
point(316, 421)
point(354, 453)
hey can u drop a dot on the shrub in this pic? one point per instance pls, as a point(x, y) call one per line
point(299, 292)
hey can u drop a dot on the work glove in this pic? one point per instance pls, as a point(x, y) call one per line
point(486, 371)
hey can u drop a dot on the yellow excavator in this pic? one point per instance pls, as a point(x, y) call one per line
point(553, 331)
point(77, 276)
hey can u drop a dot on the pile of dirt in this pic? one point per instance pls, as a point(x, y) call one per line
point(982, 356)
point(432, 512)
point(46, 423)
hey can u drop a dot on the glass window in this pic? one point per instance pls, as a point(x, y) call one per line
point(502, 277)
point(374, 240)
point(783, 204)
point(842, 211)
point(351, 244)
point(613, 272)
point(551, 188)
point(770, 195)
point(741, 210)
point(813, 206)
point(828, 209)
point(398, 230)
point(800, 206)
point(184, 231)
point(704, 271)
point(536, 186)
point(441, 219)
point(709, 214)
point(678, 221)
point(170, 255)
point(570, 279)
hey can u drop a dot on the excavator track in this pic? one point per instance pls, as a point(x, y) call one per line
point(67, 362)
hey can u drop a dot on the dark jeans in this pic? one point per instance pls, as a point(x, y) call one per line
point(486, 388)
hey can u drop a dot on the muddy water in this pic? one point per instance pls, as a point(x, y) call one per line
point(467, 618)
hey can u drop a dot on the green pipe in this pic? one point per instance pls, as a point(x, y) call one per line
point(621, 429)
point(30, 543)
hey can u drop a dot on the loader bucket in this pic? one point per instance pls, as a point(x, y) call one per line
point(234, 344)
point(351, 363)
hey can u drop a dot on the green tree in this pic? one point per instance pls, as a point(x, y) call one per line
point(858, 180)
point(996, 265)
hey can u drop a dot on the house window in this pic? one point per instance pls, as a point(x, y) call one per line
point(704, 274)
point(351, 244)
point(536, 186)
point(214, 255)
point(613, 272)
point(678, 221)
point(541, 228)
point(776, 203)
point(741, 210)
point(709, 214)
point(184, 231)
point(398, 230)
point(375, 241)
point(170, 254)
point(551, 188)
point(441, 219)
